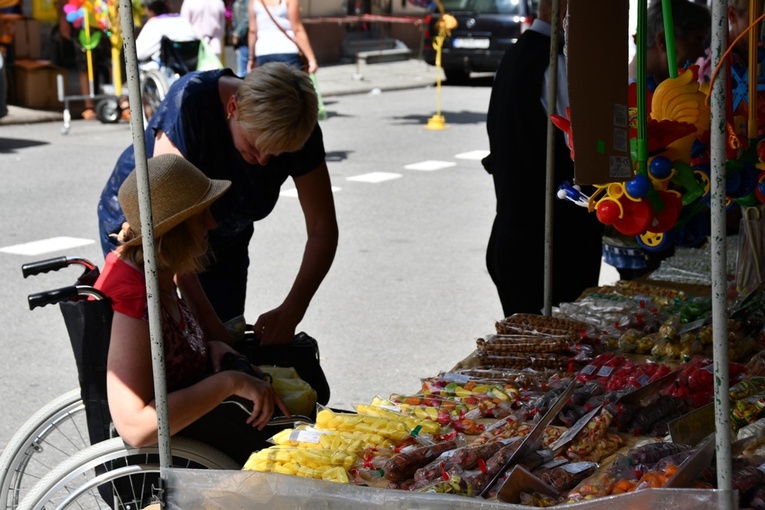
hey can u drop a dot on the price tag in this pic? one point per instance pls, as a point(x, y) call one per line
point(710, 368)
point(589, 369)
point(605, 371)
point(578, 467)
point(554, 463)
point(305, 436)
point(643, 380)
point(456, 378)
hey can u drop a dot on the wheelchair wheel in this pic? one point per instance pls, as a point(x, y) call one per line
point(153, 90)
point(113, 475)
point(47, 438)
point(108, 110)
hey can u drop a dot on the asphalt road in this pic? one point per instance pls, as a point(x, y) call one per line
point(408, 293)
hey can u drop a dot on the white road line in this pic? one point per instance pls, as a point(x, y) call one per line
point(430, 165)
point(477, 155)
point(46, 245)
point(374, 177)
point(292, 193)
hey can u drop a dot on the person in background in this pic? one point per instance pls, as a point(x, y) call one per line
point(160, 23)
point(100, 58)
point(517, 127)
point(255, 132)
point(277, 34)
point(239, 34)
point(208, 17)
point(692, 24)
point(181, 196)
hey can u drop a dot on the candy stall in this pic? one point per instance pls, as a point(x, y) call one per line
point(647, 393)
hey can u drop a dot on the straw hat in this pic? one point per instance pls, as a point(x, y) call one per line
point(179, 190)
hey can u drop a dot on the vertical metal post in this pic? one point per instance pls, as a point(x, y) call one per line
point(147, 229)
point(719, 284)
point(552, 100)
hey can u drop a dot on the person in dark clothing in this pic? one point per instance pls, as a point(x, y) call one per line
point(517, 127)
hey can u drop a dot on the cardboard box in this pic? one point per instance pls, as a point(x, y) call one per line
point(27, 40)
point(36, 84)
point(598, 90)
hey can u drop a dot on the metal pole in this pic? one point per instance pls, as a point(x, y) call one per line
point(147, 228)
point(719, 286)
point(552, 99)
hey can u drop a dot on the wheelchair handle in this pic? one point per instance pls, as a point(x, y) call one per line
point(54, 296)
point(54, 264)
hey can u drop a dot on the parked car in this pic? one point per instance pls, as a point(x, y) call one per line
point(485, 30)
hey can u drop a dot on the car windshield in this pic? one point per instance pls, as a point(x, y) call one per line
point(485, 6)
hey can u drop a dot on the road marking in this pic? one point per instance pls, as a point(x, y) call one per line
point(292, 193)
point(477, 155)
point(374, 177)
point(46, 245)
point(430, 165)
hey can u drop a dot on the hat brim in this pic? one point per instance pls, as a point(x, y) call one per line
point(216, 189)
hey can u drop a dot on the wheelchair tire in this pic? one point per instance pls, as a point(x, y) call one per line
point(153, 90)
point(108, 110)
point(83, 479)
point(51, 435)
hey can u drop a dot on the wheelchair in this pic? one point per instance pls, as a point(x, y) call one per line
point(176, 59)
point(68, 453)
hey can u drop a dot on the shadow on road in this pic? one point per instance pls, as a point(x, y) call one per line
point(10, 145)
point(451, 117)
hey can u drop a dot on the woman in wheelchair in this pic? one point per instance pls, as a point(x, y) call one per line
point(181, 196)
point(256, 132)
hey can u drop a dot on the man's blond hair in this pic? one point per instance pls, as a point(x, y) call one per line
point(279, 102)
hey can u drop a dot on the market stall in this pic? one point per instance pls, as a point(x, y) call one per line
point(606, 401)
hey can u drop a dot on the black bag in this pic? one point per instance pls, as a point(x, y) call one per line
point(302, 354)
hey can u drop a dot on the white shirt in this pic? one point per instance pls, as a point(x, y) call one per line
point(172, 26)
point(208, 17)
point(544, 28)
point(271, 40)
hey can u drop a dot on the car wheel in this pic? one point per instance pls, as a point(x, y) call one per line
point(456, 76)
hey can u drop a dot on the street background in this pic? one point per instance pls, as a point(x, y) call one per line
point(407, 295)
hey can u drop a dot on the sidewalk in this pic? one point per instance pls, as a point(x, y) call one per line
point(334, 80)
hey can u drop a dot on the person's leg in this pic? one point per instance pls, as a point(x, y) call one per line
point(242, 56)
point(225, 281)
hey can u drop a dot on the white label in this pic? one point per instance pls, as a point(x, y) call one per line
point(305, 436)
point(578, 467)
point(619, 167)
point(589, 369)
point(456, 378)
point(605, 371)
point(643, 380)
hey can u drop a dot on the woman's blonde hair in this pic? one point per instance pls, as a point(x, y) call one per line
point(176, 249)
point(279, 102)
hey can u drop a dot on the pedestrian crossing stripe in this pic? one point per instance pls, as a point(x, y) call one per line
point(430, 165)
point(375, 177)
point(46, 246)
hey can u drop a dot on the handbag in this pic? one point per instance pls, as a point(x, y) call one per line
point(302, 354)
point(301, 55)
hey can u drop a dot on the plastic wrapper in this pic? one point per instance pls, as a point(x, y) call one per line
point(652, 453)
point(643, 421)
point(524, 378)
point(583, 393)
point(538, 323)
point(533, 360)
point(536, 499)
point(425, 425)
point(328, 440)
point(747, 410)
point(466, 457)
point(549, 343)
point(403, 465)
point(504, 428)
point(566, 476)
point(756, 429)
point(597, 485)
point(394, 430)
point(747, 387)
